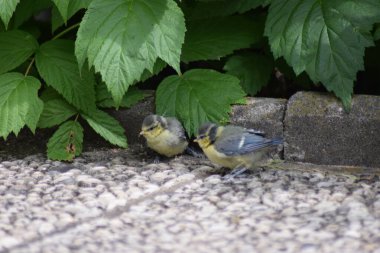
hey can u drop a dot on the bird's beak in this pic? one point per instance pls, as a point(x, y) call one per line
point(196, 140)
point(141, 133)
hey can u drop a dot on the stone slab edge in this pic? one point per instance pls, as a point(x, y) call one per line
point(315, 127)
point(318, 130)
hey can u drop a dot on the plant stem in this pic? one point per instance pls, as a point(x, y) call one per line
point(68, 29)
point(29, 66)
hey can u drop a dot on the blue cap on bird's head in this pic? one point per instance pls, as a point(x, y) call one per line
point(153, 120)
point(149, 120)
point(207, 130)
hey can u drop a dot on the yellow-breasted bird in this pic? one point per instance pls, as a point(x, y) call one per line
point(235, 147)
point(165, 135)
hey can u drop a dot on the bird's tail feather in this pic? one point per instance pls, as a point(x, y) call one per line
point(277, 141)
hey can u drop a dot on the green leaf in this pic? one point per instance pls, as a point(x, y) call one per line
point(49, 93)
point(57, 65)
point(55, 112)
point(104, 98)
point(203, 9)
point(32, 29)
point(27, 8)
point(7, 7)
point(211, 39)
point(19, 103)
point(107, 127)
point(198, 96)
point(157, 68)
point(2, 28)
point(15, 48)
point(122, 38)
point(62, 6)
point(66, 142)
point(132, 96)
point(72, 7)
point(253, 70)
point(376, 34)
point(326, 39)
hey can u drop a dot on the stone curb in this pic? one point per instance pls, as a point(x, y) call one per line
point(315, 127)
point(318, 130)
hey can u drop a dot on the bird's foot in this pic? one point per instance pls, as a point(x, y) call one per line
point(234, 173)
point(156, 159)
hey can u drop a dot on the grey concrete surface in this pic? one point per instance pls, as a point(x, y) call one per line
point(118, 201)
point(318, 130)
point(264, 114)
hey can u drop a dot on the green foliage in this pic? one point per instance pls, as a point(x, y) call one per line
point(207, 9)
point(104, 98)
point(159, 65)
point(7, 7)
point(15, 48)
point(57, 65)
point(211, 39)
point(58, 79)
point(26, 9)
point(19, 103)
point(107, 127)
point(324, 38)
point(65, 10)
point(253, 70)
point(56, 111)
point(66, 142)
point(198, 96)
point(151, 29)
point(376, 34)
point(62, 6)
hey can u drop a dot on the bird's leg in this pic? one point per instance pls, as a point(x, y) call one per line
point(192, 152)
point(240, 169)
point(156, 159)
point(160, 158)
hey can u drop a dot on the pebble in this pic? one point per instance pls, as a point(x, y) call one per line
point(64, 179)
point(159, 177)
point(87, 181)
point(165, 207)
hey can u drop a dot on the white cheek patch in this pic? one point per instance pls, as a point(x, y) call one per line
point(241, 143)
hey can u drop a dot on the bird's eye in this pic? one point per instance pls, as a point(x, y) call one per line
point(151, 128)
point(201, 136)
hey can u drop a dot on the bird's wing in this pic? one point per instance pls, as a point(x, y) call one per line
point(240, 144)
point(175, 126)
point(234, 129)
point(254, 131)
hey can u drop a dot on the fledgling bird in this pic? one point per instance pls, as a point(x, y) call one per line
point(165, 135)
point(235, 147)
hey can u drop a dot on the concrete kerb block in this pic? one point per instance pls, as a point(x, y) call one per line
point(318, 130)
point(264, 114)
point(315, 127)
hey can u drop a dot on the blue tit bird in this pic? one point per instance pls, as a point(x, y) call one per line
point(164, 135)
point(235, 147)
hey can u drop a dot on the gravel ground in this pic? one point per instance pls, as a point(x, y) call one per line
point(114, 201)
